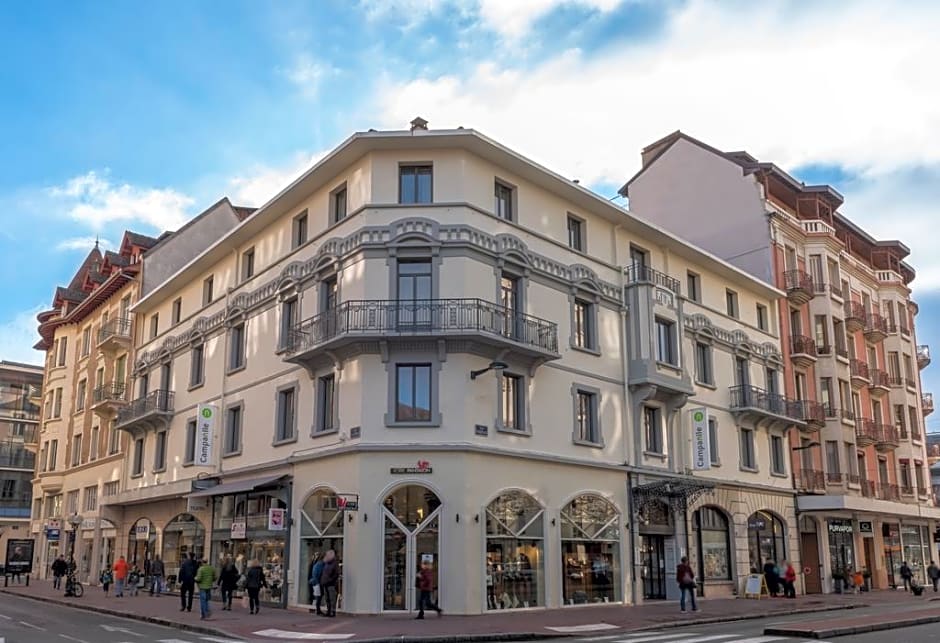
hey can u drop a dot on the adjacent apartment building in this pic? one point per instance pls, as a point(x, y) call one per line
point(846, 324)
point(20, 395)
point(430, 350)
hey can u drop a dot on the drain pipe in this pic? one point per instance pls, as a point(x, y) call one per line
point(632, 528)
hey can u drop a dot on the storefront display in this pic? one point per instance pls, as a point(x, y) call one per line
point(321, 529)
point(913, 551)
point(141, 543)
point(590, 551)
point(841, 546)
point(766, 539)
point(411, 540)
point(714, 548)
point(514, 552)
point(890, 532)
point(183, 535)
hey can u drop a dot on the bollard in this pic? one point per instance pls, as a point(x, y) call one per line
point(6, 580)
point(27, 580)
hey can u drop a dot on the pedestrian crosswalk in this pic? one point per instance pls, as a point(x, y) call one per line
point(690, 637)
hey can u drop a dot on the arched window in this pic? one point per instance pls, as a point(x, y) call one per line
point(183, 535)
point(142, 541)
point(321, 529)
point(714, 545)
point(766, 539)
point(515, 551)
point(412, 542)
point(590, 551)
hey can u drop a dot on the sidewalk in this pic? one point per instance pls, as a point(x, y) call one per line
point(518, 625)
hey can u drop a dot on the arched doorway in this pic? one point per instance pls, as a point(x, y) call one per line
point(766, 539)
point(809, 549)
point(656, 527)
point(412, 539)
point(515, 551)
point(141, 544)
point(713, 541)
point(183, 535)
point(321, 529)
point(590, 551)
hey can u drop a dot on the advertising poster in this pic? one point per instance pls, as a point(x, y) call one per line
point(19, 556)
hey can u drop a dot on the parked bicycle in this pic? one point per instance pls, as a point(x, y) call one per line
point(73, 587)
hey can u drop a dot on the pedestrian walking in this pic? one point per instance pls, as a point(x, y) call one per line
point(316, 592)
point(157, 571)
point(789, 580)
point(329, 578)
point(254, 581)
point(933, 573)
point(685, 577)
point(772, 577)
point(59, 569)
point(120, 576)
point(906, 576)
point(228, 581)
point(187, 579)
point(105, 578)
point(205, 579)
point(134, 581)
point(425, 587)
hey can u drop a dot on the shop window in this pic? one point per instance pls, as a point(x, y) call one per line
point(590, 551)
point(766, 539)
point(182, 536)
point(411, 542)
point(321, 529)
point(714, 545)
point(515, 552)
point(141, 543)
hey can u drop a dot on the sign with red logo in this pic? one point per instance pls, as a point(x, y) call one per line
point(423, 466)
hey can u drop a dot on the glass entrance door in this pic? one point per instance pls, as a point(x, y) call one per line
point(653, 557)
point(412, 540)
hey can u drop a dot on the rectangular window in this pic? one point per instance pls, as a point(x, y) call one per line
point(326, 403)
point(586, 417)
point(777, 462)
point(86, 341)
point(414, 291)
point(742, 375)
point(286, 421)
point(833, 467)
point(289, 314)
point(248, 264)
point(338, 204)
point(207, 288)
point(114, 440)
point(905, 477)
point(731, 303)
point(76, 450)
point(914, 417)
point(233, 431)
point(138, 463)
point(908, 370)
point(414, 183)
point(762, 316)
point(413, 393)
point(80, 395)
point(713, 440)
point(584, 324)
point(197, 368)
point(189, 454)
point(299, 230)
point(236, 347)
point(821, 328)
point(512, 402)
point(693, 285)
point(653, 428)
point(329, 294)
point(899, 420)
point(53, 454)
point(640, 259)
point(63, 347)
point(748, 459)
point(666, 342)
point(93, 445)
point(111, 488)
point(154, 325)
point(57, 403)
point(91, 499)
point(159, 453)
point(575, 233)
point(838, 334)
point(503, 206)
point(825, 394)
point(71, 502)
point(9, 489)
point(177, 312)
point(703, 363)
point(919, 479)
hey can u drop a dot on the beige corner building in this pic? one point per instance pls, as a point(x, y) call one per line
point(429, 349)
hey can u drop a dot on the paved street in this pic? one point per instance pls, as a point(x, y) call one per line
point(27, 621)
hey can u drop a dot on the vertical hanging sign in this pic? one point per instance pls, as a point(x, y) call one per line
point(701, 453)
point(205, 428)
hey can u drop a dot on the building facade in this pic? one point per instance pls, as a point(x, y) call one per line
point(429, 350)
point(847, 329)
point(20, 395)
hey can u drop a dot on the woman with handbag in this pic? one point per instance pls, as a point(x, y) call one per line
point(316, 591)
point(686, 579)
point(254, 581)
point(228, 581)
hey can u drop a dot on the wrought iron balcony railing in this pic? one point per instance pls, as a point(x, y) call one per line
point(923, 355)
point(798, 281)
point(802, 345)
point(115, 391)
point(119, 327)
point(159, 401)
point(638, 273)
point(809, 480)
point(752, 397)
point(858, 368)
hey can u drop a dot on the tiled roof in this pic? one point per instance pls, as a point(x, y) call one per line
point(70, 294)
point(115, 259)
point(92, 261)
point(243, 212)
point(141, 240)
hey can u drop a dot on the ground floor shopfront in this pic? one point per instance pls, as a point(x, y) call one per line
point(839, 542)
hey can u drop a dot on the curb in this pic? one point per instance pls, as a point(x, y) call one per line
point(156, 620)
point(732, 618)
point(467, 638)
point(852, 629)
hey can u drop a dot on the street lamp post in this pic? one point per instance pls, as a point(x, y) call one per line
point(75, 521)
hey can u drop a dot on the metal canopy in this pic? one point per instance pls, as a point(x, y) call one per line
point(239, 486)
point(677, 493)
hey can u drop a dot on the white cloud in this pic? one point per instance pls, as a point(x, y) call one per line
point(514, 19)
point(94, 200)
point(17, 336)
point(259, 184)
point(82, 243)
point(307, 74)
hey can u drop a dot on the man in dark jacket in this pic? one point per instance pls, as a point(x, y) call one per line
point(329, 578)
point(906, 575)
point(59, 569)
point(157, 571)
point(187, 579)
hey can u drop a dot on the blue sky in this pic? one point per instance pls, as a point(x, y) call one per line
point(138, 115)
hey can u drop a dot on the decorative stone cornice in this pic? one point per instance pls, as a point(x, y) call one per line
point(699, 325)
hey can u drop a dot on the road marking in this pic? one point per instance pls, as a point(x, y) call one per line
point(764, 639)
point(173, 641)
point(72, 638)
point(308, 636)
point(592, 627)
point(643, 638)
point(35, 627)
point(704, 639)
point(218, 640)
point(9, 618)
point(600, 638)
point(123, 630)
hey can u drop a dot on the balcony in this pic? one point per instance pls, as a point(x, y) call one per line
point(888, 491)
point(154, 410)
point(867, 488)
point(108, 399)
point(370, 325)
point(13, 508)
point(114, 335)
point(637, 273)
point(876, 328)
point(879, 383)
point(907, 489)
point(895, 380)
point(799, 287)
point(888, 438)
point(14, 455)
point(859, 372)
point(847, 415)
point(866, 432)
point(926, 403)
point(812, 413)
point(51, 481)
point(802, 351)
point(809, 481)
point(756, 404)
point(855, 316)
point(923, 356)
point(834, 478)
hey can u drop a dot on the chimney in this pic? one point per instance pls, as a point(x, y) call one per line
point(419, 124)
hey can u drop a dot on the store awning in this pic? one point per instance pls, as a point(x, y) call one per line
point(238, 486)
point(677, 493)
